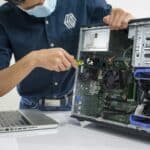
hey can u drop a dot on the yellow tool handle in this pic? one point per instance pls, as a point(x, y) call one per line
point(79, 62)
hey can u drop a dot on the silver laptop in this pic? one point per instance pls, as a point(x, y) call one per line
point(25, 120)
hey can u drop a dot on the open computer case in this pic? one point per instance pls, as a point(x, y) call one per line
point(112, 85)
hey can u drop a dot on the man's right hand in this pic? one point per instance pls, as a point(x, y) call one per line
point(55, 59)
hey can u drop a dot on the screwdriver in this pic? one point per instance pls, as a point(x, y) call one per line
point(79, 62)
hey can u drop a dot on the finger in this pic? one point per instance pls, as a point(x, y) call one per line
point(126, 20)
point(116, 23)
point(62, 67)
point(71, 59)
point(111, 18)
point(73, 62)
point(124, 26)
point(120, 24)
point(106, 19)
point(57, 69)
point(66, 63)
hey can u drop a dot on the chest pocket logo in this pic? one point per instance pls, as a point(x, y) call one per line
point(70, 21)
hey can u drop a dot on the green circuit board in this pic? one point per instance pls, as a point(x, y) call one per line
point(105, 86)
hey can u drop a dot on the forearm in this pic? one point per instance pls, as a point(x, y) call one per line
point(55, 59)
point(13, 75)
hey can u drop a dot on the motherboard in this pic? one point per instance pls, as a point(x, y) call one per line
point(105, 86)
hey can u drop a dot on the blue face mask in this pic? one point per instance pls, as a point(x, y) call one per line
point(44, 10)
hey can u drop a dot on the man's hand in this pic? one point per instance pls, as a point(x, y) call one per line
point(56, 59)
point(118, 19)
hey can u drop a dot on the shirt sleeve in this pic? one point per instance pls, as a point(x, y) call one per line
point(96, 10)
point(5, 49)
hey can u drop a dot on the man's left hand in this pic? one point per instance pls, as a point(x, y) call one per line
point(118, 19)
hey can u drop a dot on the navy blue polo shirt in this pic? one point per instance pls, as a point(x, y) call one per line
point(20, 34)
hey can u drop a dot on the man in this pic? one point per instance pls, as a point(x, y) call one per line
point(43, 35)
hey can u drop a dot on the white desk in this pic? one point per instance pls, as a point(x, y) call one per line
point(70, 136)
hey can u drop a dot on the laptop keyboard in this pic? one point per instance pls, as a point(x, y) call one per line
point(12, 119)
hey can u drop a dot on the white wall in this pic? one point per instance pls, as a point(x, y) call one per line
point(1, 1)
point(139, 8)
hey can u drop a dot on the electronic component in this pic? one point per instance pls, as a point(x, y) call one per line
point(95, 40)
point(139, 31)
point(106, 90)
point(105, 86)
